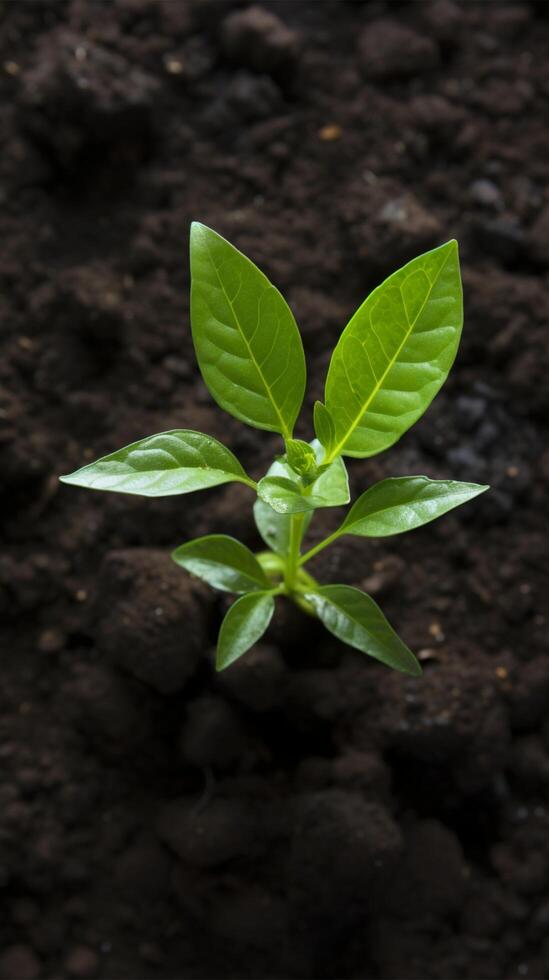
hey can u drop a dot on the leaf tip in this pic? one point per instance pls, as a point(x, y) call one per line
point(70, 478)
point(480, 488)
point(223, 659)
point(196, 230)
point(451, 247)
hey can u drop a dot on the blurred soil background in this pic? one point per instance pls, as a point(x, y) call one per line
point(308, 813)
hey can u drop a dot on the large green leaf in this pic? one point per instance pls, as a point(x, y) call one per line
point(355, 618)
point(222, 562)
point(169, 463)
point(273, 527)
point(403, 503)
point(395, 353)
point(285, 494)
point(244, 624)
point(247, 343)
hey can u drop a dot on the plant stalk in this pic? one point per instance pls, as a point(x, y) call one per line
point(319, 547)
point(292, 564)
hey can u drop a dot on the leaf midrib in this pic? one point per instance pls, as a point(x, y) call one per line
point(285, 431)
point(340, 445)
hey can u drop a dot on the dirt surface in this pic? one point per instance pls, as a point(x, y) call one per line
point(307, 813)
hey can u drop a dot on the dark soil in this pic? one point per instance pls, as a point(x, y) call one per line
point(308, 813)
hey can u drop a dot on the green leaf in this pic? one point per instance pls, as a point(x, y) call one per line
point(301, 457)
point(247, 343)
point(178, 461)
point(332, 483)
point(222, 562)
point(403, 503)
point(244, 624)
point(355, 618)
point(273, 527)
point(286, 495)
point(324, 426)
point(395, 353)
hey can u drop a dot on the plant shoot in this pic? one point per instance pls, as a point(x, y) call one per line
point(389, 363)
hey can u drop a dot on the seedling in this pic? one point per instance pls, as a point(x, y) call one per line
point(389, 363)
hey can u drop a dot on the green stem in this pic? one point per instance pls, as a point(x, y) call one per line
point(247, 481)
point(319, 547)
point(292, 564)
point(277, 590)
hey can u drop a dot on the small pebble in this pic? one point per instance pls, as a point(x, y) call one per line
point(51, 641)
point(486, 193)
point(173, 66)
point(330, 133)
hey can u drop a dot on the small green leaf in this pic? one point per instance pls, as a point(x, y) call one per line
point(284, 492)
point(247, 343)
point(332, 483)
point(174, 462)
point(244, 624)
point(273, 527)
point(324, 426)
point(301, 457)
point(284, 495)
point(288, 496)
point(273, 565)
point(395, 354)
point(222, 562)
point(403, 503)
point(355, 618)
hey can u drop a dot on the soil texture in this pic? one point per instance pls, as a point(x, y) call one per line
point(307, 813)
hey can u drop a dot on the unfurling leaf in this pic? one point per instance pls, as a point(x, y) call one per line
point(169, 463)
point(223, 562)
point(355, 618)
point(287, 495)
point(248, 347)
point(324, 426)
point(395, 354)
point(244, 624)
point(301, 457)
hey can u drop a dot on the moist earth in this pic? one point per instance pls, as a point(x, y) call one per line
point(307, 813)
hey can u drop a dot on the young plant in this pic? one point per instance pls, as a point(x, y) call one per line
point(389, 363)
